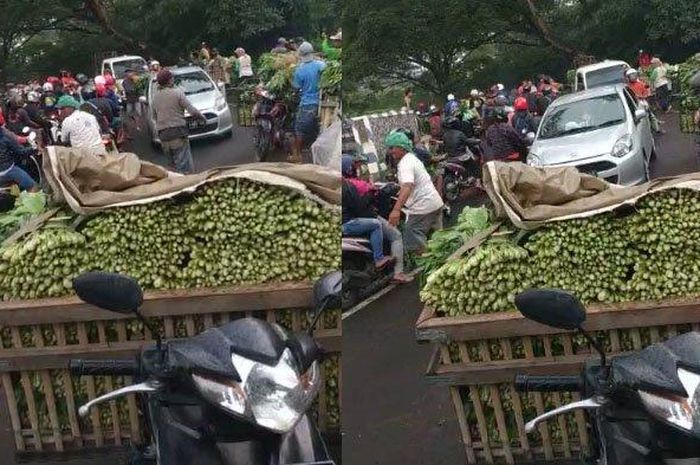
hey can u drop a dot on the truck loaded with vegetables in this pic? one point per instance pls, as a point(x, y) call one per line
point(651, 252)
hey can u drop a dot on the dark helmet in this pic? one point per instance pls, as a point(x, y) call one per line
point(81, 78)
point(501, 101)
point(88, 91)
point(500, 114)
point(451, 122)
point(406, 131)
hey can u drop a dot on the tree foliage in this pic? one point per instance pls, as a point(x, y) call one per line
point(450, 45)
point(32, 37)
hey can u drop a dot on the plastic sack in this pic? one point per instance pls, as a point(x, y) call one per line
point(327, 148)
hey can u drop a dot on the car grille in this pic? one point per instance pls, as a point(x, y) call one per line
point(596, 167)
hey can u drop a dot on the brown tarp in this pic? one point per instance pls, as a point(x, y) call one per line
point(89, 183)
point(530, 197)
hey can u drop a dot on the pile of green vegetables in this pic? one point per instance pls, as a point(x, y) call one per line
point(445, 242)
point(652, 253)
point(332, 77)
point(27, 204)
point(681, 74)
point(230, 232)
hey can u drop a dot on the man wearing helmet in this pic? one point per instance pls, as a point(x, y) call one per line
point(502, 141)
point(418, 197)
point(522, 120)
point(642, 91)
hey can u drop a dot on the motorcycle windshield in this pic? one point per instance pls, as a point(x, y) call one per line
point(210, 352)
point(655, 369)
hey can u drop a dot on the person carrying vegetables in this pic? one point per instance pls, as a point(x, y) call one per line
point(418, 197)
point(360, 202)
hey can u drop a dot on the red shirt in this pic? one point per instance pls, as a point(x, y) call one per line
point(640, 89)
point(644, 60)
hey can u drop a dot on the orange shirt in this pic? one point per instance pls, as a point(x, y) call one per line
point(640, 89)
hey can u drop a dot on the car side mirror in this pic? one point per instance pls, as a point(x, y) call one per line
point(143, 100)
point(639, 115)
point(221, 85)
point(551, 307)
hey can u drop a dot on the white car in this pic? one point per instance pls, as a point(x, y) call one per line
point(119, 65)
point(205, 95)
point(602, 131)
point(605, 73)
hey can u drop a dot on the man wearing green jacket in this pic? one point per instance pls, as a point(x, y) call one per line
point(332, 49)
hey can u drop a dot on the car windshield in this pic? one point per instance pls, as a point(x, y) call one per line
point(120, 67)
point(605, 76)
point(583, 116)
point(195, 82)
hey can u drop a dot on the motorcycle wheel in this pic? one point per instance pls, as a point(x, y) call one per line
point(451, 188)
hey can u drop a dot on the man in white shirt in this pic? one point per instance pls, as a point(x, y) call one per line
point(245, 64)
point(418, 197)
point(79, 129)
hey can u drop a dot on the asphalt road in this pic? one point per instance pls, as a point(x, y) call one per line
point(391, 415)
point(207, 153)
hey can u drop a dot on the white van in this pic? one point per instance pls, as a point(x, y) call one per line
point(118, 65)
point(605, 73)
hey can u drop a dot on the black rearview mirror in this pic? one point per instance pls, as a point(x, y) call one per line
point(328, 290)
point(110, 291)
point(551, 307)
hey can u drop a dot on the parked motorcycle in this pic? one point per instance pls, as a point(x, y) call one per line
point(270, 115)
point(237, 394)
point(361, 278)
point(643, 408)
point(459, 173)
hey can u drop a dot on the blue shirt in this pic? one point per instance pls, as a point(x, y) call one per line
point(306, 78)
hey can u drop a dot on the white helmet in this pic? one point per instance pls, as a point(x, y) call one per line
point(500, 86)
point(48, 87)
point(100, 80)
point(32, 96)
point(474, 93)
point(630, 72)
point(155, 63)
point(451, 97)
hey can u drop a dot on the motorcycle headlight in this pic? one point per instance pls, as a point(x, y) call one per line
point(622, 147)
point(534, 160)
point(683, 412)
point(273, 396)
point(220, 102)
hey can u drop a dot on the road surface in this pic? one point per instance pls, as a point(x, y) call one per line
point(391, 415)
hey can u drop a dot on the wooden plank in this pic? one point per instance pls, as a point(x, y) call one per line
point(460, 411)
point(539, 407)
point(12, 427)
point(72, 408)
point(49, 358)
point(602, 317)
point(162, 303)
point(497, 408)
point(503, 371)
point(50, 399)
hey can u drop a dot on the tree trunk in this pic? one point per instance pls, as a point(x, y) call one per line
point(546, 34)
point(98, 10)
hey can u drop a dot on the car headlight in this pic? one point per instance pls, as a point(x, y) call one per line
point(273, 396)
point(683, 412)
point(534, 160)
point(622, 147)
point(220, 103)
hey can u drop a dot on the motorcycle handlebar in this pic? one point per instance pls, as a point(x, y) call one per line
point(553, 383)
point(126, 367)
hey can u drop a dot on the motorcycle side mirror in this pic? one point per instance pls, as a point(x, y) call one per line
point(327, 293)
point(113, 292)
point(110, 291)
point(25, 130)
point(551, 307)
point(558, 309)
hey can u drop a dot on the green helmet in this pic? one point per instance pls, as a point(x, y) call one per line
point(398, 139)
point(67, 101)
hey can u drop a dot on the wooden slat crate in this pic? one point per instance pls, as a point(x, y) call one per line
point(477, 358)
point(40, 398)
point(328, 112)
point(686, 120)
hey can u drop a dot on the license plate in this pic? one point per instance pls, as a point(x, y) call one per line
point(194, 124)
